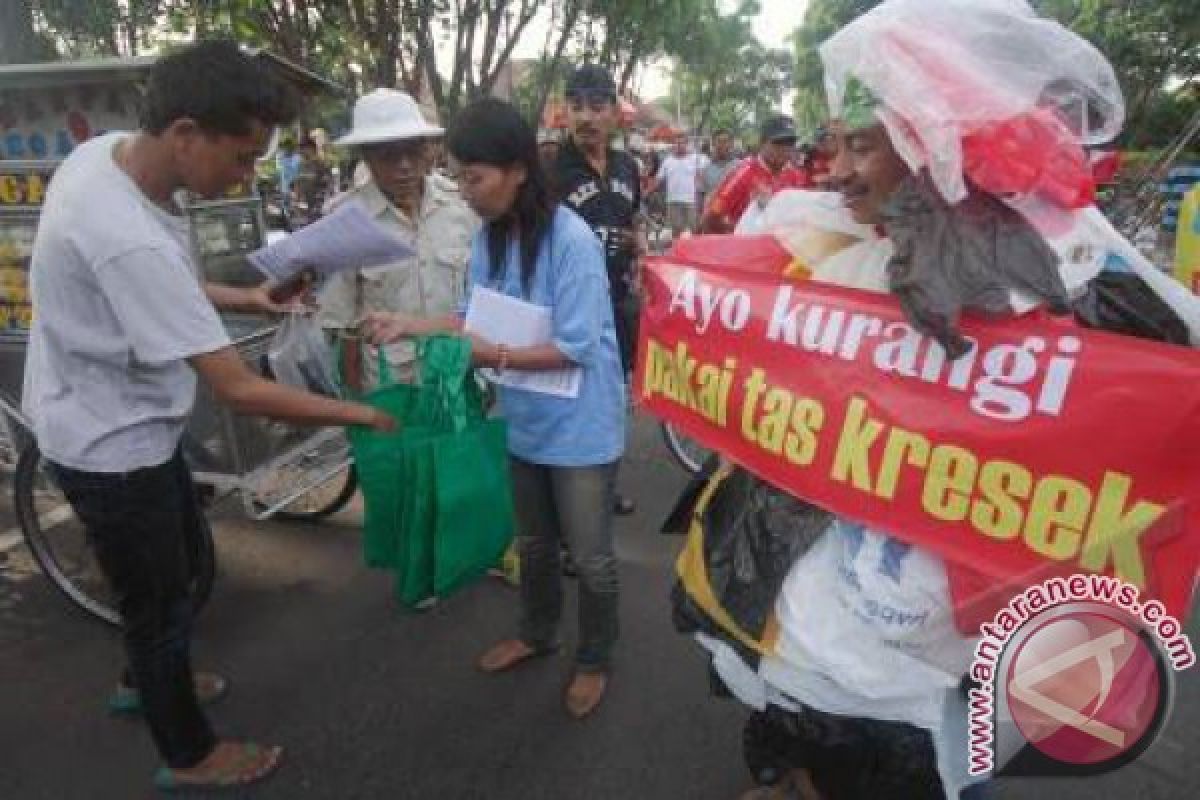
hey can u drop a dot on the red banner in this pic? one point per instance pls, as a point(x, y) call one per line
point(1047, 448)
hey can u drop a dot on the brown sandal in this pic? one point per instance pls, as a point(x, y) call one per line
point(509, 653)
point(585, 692)
point(230, 765)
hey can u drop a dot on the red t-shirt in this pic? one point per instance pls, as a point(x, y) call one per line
point(819, 166)
point(748, 180)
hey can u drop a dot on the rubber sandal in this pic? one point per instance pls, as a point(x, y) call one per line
point(210, 688)
point(492, 665)
point(234, 775)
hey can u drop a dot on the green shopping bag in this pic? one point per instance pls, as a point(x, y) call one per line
point(425, 484)
point(471, 470)
point(379, 462)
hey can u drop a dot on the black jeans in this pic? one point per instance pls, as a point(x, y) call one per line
point(143, 526)
point(626, 310)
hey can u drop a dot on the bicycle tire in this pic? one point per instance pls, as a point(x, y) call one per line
point(29, 467)
point(339, 501)
point(691, 463)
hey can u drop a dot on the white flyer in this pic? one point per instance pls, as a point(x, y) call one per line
point(514, 322)
point(349, 238)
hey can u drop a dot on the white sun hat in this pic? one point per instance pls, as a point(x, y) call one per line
point(387, 115)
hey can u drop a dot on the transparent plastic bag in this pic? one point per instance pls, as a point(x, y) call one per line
point(1020, 94)
point(300, 356)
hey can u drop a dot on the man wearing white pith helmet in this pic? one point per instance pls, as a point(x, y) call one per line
point(423, 207)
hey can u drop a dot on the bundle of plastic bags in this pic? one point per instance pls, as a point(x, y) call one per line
point(984, 90)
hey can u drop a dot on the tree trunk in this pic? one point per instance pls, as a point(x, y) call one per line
point(574, 9)
point(488, 78)
point(19, 42)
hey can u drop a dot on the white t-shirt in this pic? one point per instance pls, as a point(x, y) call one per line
point(118, 308)
point(680, 173)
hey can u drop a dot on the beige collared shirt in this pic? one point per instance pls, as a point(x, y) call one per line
point(428, 284)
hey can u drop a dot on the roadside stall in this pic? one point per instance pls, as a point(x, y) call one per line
point(275, 469)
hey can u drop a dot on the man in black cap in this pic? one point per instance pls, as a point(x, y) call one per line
point(757, 179)
point(603, 186)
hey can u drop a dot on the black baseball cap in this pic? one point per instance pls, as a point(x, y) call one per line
point(779, 129)
point(591, 79)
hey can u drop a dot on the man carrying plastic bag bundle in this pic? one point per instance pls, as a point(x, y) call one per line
point(934, 99)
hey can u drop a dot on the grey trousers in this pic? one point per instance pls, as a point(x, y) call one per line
point(572, 505)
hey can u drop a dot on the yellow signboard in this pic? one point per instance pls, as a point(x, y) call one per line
point(1187, 241)
point(22, 188)
point(17, 232)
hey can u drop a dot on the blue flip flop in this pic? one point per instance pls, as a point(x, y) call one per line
point(127, 701)
point(231, 777)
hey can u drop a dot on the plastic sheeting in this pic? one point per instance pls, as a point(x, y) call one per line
point(983, 87)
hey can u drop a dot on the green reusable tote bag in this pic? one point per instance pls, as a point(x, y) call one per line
point(473, 522)
point(380, 463)
point(474, 504)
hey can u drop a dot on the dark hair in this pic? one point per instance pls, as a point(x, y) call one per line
point(721, 132)
point(214, 83)
point(494, 133)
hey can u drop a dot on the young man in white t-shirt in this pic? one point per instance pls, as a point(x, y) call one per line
point(123, 323)
point(679, 171)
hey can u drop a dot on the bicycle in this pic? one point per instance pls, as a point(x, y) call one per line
point(688, 453)
point(300, 486)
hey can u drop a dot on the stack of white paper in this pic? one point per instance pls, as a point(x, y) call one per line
point(510, 321)
point(349, 238)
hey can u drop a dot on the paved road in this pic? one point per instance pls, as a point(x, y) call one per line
point(375, 703)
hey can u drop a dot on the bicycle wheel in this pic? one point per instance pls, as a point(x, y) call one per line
point(690, 454)
point(322, 501)
point(59, 543)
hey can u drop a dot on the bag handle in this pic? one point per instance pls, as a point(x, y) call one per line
point(445, 370)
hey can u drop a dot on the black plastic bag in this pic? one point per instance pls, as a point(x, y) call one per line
point(1121, 302)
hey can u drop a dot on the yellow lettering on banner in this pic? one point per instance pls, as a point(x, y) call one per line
point(653, 376)
point(998, 514)
point(851, 461)
point(1054, 516)
point(708, 398)
point(902, 447)
point(779, 422)
point(1114, 532)
point(777, 412)
point(1057, 514)
point(756, 384)
point(808, 417)
point(948, 484)
point(681, 378)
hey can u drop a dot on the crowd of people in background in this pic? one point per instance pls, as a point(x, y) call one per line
point(557, 218)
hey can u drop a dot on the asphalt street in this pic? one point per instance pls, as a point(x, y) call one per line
point(372, 702)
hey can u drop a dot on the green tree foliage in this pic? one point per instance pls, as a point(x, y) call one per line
point(725, 77)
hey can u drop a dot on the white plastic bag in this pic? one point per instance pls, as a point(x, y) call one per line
point(300, 356)
point(751, 221)
point(867, 629)
point(813, 226)
point(943, 68)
